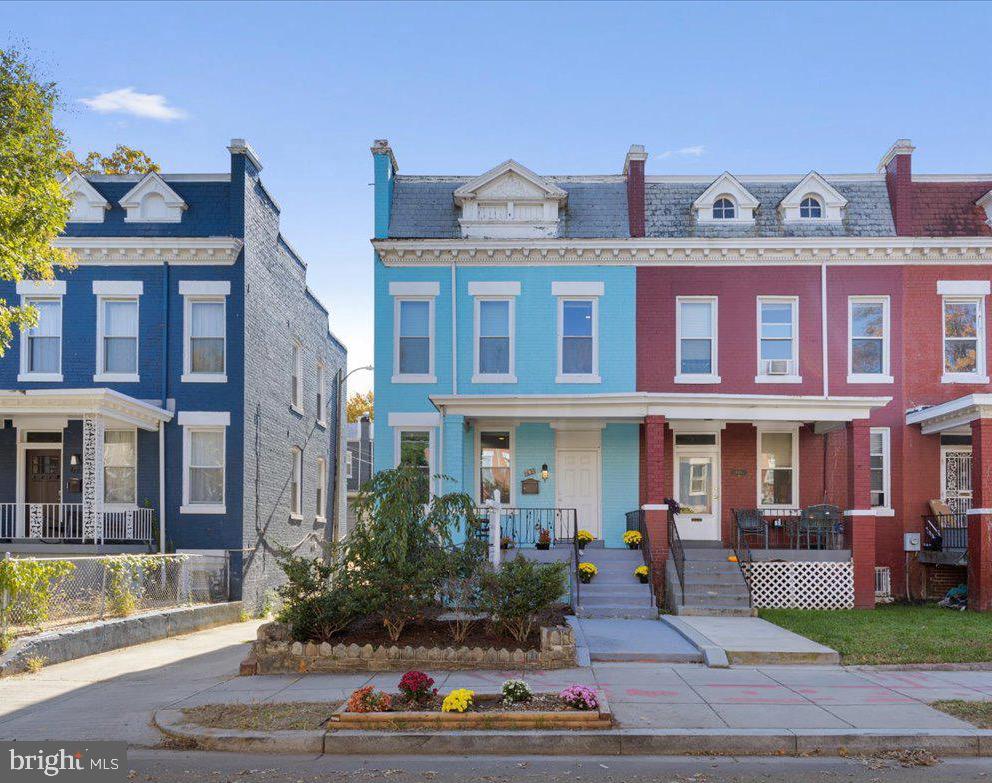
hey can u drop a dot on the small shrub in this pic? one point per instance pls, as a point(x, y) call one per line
point(243, 616)
point(126, 581)
point(579, 697)
point(6, 639)
point(459, 700)
point(313, 609)
point(521, 591)
point(516, 692)
point(417, 688)
point(368, 699)
point(35, 663)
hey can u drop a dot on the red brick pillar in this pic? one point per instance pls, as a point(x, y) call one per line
point(655, 511)
point(980, 518)
point(860, 517)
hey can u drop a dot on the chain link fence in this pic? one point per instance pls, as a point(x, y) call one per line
point(42, 593)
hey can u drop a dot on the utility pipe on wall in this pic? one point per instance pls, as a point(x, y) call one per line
point(823, 329)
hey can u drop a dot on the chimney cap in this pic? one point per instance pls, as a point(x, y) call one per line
point(636, 152)
point(242, 147)
point(381, 147)
point(900, 147)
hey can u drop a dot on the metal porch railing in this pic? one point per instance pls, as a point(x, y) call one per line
point(943, 532)
point(64, 522)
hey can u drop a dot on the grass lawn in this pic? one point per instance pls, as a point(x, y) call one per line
point(262, 716)
point(893, 633)
point(976, 712)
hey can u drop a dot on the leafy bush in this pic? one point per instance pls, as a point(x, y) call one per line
point(368, 699)
point(417, 688)
point(27, 587)
point(461, 590)
point(516, 692)
point(313, 607)
point(521, 591)
point(126, 581)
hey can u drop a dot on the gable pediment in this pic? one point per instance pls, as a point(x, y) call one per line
point(88, 206)
point(507, 201)
point(726, 186)
point(813, 186)
point(152, 201)
point(509, 179)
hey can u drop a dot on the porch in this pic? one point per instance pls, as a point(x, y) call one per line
point(84, 471)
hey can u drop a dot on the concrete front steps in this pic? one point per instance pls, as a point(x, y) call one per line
point(615, 592)
point(714, 586)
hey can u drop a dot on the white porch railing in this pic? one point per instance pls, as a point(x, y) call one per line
point(65, 521)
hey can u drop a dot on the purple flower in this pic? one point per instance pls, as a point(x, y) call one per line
point(580, 697)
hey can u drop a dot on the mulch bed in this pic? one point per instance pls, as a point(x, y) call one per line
point(432, 632)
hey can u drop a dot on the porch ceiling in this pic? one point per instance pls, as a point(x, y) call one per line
point(673, 406)
point(953, 414)
point(75, 403)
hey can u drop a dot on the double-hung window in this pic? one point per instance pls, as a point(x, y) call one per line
point(296, 483)
point(296, 378)
point(120, 466)
point(117, 349)
point(578, 331)
point(964, 334)
point(321, 395)
point(881, 477)
point(868, 339)
point(44, 339)
point(494, 350)
point(413, 331)
point(778, 344)
point(204, 461)
point(414, 448)
point(778, 483)
point(205, 341)
point(321, 495)
point(696, 340)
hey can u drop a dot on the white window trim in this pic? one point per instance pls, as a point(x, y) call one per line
point(398, 299)
point(577, 289)
point(794, 376)
point(321, 489)
point(202, 291)
point(350, 459)
point(885, 432)
point(202, 421)
point(122, 506)
point(431, 431)
point(52, 292)
point(980, 375)
point(711, 377)
point(557, 289)
point(296, 513)
point(793, 429)
point(964, 287)
point(296, 402)
point(123, 288)
point(116, 377)
point(322, 392)
point(861, 377)
point(509, 376)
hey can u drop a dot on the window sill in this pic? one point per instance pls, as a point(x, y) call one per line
point(494, 378)
point(778, 379)
point(884, 512)
point(39, 377)
point(203, 377)
point(861, 377)
point(414, 379)
point(577, 378)
point(697, 379)
point(322, 424)
point(111, 377)
point(320, 520)
point(296, 409)
point(961, 377)
point(296, 517)
point(203, 508)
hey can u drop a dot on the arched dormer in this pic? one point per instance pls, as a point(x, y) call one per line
point(509, 201)
point(152, 201)
point(88, 206)
point(726, 200)
point(813, 200)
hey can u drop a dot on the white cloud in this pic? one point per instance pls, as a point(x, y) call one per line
point(128, 101)
point(684, 152)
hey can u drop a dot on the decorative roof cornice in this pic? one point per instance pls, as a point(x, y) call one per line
point(682, 251)
point(149, 251)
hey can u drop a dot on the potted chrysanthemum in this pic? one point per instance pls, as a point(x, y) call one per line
point(641, 572)
point(632, 538)
point(586, 572)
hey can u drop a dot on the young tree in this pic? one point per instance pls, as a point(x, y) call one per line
point(33, 207)
point(123, 160)
point(361, 405)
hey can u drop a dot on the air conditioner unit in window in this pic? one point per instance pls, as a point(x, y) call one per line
point(778, 366)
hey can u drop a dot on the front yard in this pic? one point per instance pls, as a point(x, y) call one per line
point(895, 633)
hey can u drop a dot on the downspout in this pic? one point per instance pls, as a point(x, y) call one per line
point(165, 405)
point(161, 487)
point(823, 329)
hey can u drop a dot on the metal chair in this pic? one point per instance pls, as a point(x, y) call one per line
point(822, 523)
point(750, 521)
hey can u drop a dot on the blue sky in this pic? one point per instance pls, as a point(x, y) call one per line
point(564, 88)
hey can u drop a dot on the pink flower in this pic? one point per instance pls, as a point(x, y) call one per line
point(580, 697)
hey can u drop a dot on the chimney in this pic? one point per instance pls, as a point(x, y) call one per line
point(366, 426)
point(385, 169)
point(897, 165)
point(633, 170)
point(242, 147)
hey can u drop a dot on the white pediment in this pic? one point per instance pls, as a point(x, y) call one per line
point(813, 186)
point(88, 206)
point(152, 201)
point(726, 186)
point(509, 201)
point(509, 179)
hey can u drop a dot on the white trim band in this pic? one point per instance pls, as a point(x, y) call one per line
point(414, 419)
point(414, 289)
point(484, 288)
point(118, 287)
point(203, 419)
point(41, 287)
point(577, 288)
point(963, 287)
point(204, 288)
point(654, 507)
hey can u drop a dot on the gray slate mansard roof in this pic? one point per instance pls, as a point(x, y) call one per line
point(424, 208)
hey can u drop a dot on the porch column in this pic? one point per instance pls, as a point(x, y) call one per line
point(980, 518)
point(655, 510)
point(860, 516)
point(93, 428)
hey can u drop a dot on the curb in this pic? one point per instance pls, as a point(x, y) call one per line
point(609, 742)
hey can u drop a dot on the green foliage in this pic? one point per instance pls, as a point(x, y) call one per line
point(516, 692)
point(33, 208)
point(26, 588)
point(126, 580)
point(461, 589)
point(521, 591)
point(313, 609)
point(396, 555)
point(123, 160)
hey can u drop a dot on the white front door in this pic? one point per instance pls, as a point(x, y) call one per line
point(578, 487)
point(697, 489)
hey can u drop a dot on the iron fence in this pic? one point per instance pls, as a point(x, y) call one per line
point(943, 532)
point(42, 593)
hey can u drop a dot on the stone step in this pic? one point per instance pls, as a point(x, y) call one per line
point(715, 611)
point(716, 600)
point(615, 597)
point(631, 612)
point(713, 578)
point(707, 554)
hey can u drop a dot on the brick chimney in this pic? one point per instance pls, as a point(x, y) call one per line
point(633, 170)
point(897, 165)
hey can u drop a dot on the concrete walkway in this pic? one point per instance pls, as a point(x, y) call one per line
point(112, 696)
point(753, 641)
point(645, 641)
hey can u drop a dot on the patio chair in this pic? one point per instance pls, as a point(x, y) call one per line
point(821, 524)
point(751, 522)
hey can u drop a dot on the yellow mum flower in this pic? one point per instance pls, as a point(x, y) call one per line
point(459, 700)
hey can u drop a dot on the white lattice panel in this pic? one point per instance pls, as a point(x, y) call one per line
point(802, 585)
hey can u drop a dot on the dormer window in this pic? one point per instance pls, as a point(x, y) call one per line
point(509, 201)
point(505, 211)
point(724, 209)
point(810, 207)
point(88, 206)
point(153, 201)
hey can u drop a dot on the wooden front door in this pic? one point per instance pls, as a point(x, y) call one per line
point(44, 476)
